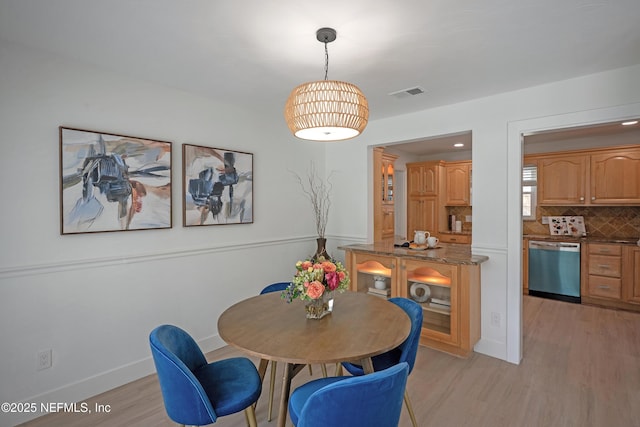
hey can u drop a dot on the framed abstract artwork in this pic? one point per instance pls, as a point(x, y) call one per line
point(112, 182)
point(217, 185)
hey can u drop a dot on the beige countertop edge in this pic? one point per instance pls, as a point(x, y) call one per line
point(445, 253)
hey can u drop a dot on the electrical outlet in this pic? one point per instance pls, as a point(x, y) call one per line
point(545, 220)
point(468, 218)
point(44, 359)
point(495, 319)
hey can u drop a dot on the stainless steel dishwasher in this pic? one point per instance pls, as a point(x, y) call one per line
point(554, 270)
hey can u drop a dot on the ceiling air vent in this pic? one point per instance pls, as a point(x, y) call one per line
point(412, 91)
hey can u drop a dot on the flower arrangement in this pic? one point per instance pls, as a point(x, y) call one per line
point(314, 278)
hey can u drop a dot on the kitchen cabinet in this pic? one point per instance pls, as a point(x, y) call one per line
point(605, 271)
point(422, 214)
point(388, 222)
point(631, 276)
point(458, 184)
point(615, 177)
point(384, 199)
point(448, 292)
point(464, 239)
point(423, 178)
point(424, 188)
point(562, 180)
point(591, 178)
point(525, 266)
point(611, 275)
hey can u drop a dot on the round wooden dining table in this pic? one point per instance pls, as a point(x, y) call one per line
point(360, 326)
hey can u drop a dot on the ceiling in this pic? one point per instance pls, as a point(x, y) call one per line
point(252, 53)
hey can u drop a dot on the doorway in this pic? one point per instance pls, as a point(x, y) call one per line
point(517, 132)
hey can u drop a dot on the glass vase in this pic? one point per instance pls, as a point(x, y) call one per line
point(318, 308)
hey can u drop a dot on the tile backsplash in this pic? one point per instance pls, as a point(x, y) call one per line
point(461, 213)
point(600, 221)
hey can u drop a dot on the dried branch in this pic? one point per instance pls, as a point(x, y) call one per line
point(317, 191)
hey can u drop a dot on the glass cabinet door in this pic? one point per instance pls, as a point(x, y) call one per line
point(374, 274)
point(434, 286)
point(387, 179)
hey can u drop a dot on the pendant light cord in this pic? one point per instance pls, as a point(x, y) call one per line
point(326, 60)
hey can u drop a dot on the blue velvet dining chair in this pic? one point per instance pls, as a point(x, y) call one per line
point(279, 287)
point(373, 400)
point(196, 392)
point(405, 352)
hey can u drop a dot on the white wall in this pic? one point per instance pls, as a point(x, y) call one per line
point(496, 123)
point(94, 298)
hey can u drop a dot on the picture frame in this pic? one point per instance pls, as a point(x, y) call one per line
point(217, 186)
point(111, 182)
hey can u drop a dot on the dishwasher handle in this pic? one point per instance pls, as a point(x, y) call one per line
point(555, 246)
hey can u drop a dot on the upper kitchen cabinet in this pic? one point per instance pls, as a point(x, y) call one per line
point(562, 179)
point(615, 177)
point(383, 205)
point(423, 178)
point(596, 177)
point(458, 183)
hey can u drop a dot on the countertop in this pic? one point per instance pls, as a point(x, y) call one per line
point(444, 252)
point(581, 239)
point(461, 233)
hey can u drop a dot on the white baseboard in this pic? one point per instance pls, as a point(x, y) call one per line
point(97, 384)
point(491, 348)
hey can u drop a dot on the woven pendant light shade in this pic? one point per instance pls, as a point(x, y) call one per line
point(326, 110)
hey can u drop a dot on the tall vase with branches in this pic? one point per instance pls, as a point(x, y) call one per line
point(318, 192)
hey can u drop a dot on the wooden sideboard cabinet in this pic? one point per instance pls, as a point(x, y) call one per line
point(364, 268)
point(449, 294)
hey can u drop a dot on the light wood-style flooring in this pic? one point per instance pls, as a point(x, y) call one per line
point(581, 368)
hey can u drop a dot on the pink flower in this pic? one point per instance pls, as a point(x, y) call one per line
point(315, 290)
point(333, 280)
point(306, 264)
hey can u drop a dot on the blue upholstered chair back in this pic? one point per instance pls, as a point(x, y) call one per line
point(176, 356)
point(373, 400)
point(275, 287)
point(409, 348)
